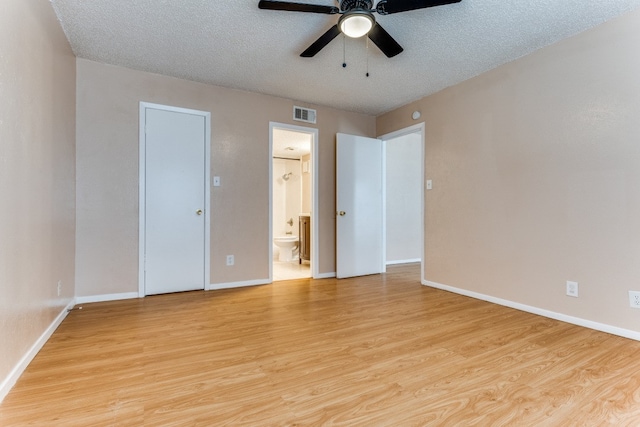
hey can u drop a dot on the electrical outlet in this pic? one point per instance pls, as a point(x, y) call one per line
point(230, 260)
point(59, 287)
point(572, 289)
point(634, 299)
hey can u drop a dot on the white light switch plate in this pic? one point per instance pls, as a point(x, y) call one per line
point(429, 184)
point(216, 181)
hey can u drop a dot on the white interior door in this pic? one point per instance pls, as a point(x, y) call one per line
point(175, 183)
point(360, 214)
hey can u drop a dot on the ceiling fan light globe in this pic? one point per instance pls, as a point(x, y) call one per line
point(356, 25)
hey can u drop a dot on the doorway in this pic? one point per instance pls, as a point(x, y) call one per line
point(380, 201)
point(293, 193)
point(174, 199)
point(404, 195)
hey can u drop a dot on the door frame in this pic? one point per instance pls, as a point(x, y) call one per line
point(313, 132)
point(142, 189)
point(417, 128)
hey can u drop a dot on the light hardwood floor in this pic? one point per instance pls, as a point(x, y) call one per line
point(371, 351)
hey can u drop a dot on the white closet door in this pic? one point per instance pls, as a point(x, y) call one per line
point(174, 211)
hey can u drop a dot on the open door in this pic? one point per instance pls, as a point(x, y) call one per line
point(359, 203)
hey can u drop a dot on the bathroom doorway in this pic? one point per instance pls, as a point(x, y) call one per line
point(293, 202)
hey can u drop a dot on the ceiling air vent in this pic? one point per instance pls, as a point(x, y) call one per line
point(304, 114)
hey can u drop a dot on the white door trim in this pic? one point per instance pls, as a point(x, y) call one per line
point(402, 132)
point(142, 189)
point(314, 189)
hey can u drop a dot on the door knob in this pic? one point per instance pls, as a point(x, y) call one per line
point(199, 211)
point(342, 213)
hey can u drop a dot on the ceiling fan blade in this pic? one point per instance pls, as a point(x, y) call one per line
point(384, 41)
point(297, 7)
point(321, 42)
point(385, 7)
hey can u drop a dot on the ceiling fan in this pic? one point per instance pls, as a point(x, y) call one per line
point(356, 20)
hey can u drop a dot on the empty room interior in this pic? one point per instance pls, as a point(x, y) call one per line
point(491, 276)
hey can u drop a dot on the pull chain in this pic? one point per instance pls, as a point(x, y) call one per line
point(367, 56)
point(344, 51)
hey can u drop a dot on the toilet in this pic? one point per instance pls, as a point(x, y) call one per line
point(286, 245)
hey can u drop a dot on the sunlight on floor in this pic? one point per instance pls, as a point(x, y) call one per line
point(290, 270)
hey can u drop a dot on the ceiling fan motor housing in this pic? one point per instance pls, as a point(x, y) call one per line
point(346, 5)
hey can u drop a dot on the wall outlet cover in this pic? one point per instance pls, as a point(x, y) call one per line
point(572, 289)
point(634, 299)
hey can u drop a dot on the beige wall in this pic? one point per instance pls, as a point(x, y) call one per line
point(536, 177)
point(37, 175)
point(107, 151)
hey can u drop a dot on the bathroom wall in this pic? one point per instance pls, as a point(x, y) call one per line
point(279, 198)
point(286, 196)
point(307, 194)
point(403, 204)
point(293, 187)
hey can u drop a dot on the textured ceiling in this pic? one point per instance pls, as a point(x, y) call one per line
point(290, 144)
point(232, 43)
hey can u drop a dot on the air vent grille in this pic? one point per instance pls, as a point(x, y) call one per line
point(306, 115)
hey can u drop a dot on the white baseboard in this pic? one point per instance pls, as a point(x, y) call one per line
point(106, 297)
point(17, 371)
point(404, 261)
point(217, 286)
point(325, 275)
point(602, 327)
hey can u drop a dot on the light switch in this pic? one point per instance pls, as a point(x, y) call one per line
point(429, 184)
point(216, 181)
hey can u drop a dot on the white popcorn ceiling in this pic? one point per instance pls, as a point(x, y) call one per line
point(234, 44)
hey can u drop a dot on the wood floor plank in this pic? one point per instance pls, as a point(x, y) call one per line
point(371, 351)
